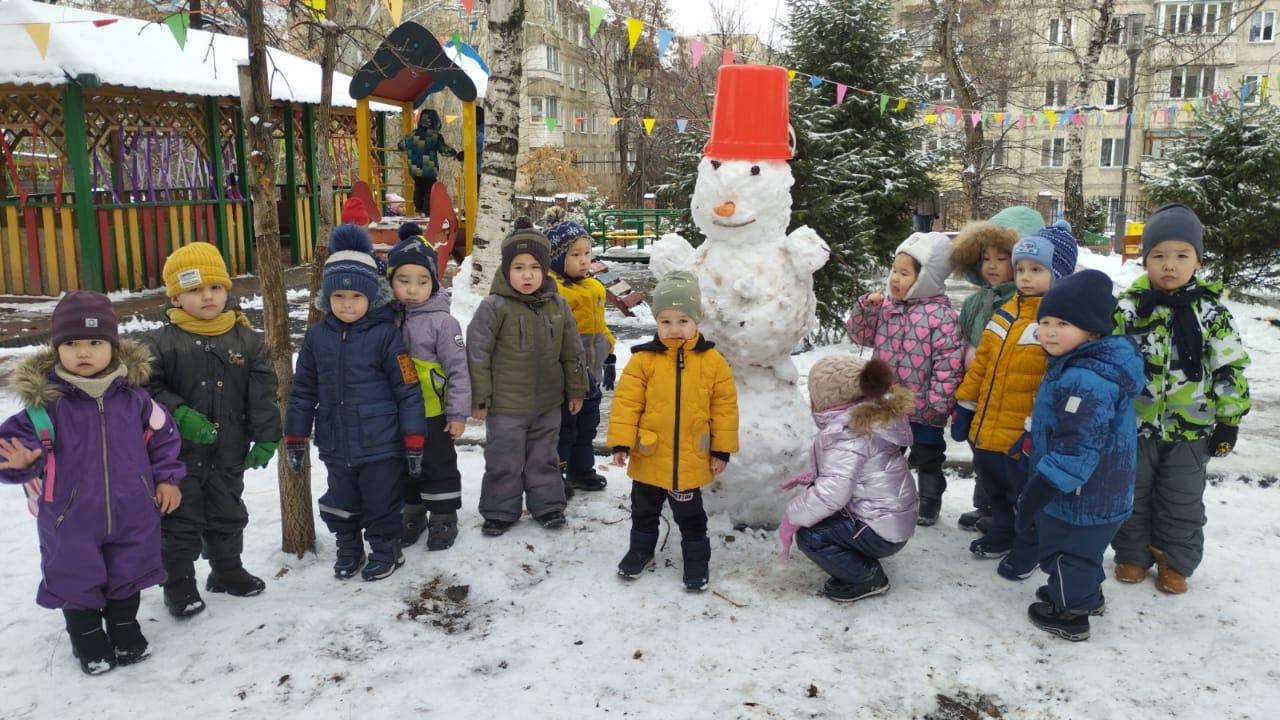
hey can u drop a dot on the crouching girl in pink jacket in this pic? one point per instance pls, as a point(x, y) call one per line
point(859, 503)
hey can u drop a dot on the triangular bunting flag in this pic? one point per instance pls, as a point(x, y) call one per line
point(39, 33)
point(450, 119)
point(1052, 118)
point(551, 124)
point(103, 23)
point(681, 125)
point(615, 120)
point(664, 40)
point(1078, 119)
point(1068, 117)
point(902, 103)
point(791, 75)
point(695, 51)
point(1266, 82)
point(999, 118)
point(975, 118)
point(1187, 106)
point(930, 119)
point(456, 39)
point(648, 125)
point(468, 5)
point(634, 28)
point(841, 91)
point(815, 80)
point(397, 10)
point(726, 57)
point(178, 25)
point(594, 16)
point(884, 102)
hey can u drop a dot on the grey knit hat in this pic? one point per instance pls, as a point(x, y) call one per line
point(1174, 221)
point(678, 291)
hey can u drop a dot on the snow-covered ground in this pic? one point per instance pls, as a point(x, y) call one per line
point(535, 624)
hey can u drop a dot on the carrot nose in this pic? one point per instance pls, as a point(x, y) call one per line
point(725, 209)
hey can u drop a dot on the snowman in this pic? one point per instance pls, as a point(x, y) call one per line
point(757, 283)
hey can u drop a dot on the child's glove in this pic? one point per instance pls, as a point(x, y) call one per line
point(194, 426)
point(961, 419)
point(295, 451)
point(1223, 439)
point(260, 454)
point(1035, 496)
point(610, 371)
point(786, 533)
point(804, 478)
point(413, 452)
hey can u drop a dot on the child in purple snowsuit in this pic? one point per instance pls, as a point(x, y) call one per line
point(114, 471)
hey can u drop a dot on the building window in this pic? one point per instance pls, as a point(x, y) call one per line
point(1117, 92)
point(1197, 18)
point(1262, 27)
point(1060, 32)
point(1112, 205)
point(553, 58)
point(536, 111)
point(931, 146)
point(1001, 27)
point(549, 10)
point(937, 87)
point(994, 153)
point(1055, 93)
point(580, 121)
point(1190, 82)
point(1122, 27)
point(1052, 151)
point(1250, 89)
point(1112, 153)
point(580, 75)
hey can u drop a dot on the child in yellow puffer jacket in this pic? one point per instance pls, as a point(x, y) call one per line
point(570, 263)
point(676, 414)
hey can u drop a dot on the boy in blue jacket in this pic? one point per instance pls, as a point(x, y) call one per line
point(1084, 443)
point(357, 383)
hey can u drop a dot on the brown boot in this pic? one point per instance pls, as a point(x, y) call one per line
point(1126, 573)
point(1167, 579)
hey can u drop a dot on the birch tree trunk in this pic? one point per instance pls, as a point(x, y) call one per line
point(297, 521)
point(975, 155)
point(324, 163)
point(501, 140)
point(1098, 21)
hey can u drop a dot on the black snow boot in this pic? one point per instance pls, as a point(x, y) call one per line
point(442, 530)
point(124, 630)
point(639, 556)
point(88, 642)
point(1067, 625)
point(553, 520)
point(842, 592)
point(590, 480)
point(494, 528)
point(697, 563)
point(970, 520)
point(181, 595)
point(350, 555)
point(384, 558)
point(229, 576)
point(1042, 594)
point(413, 520)
point(931, 489)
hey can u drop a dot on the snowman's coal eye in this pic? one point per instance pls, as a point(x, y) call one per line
point(715, 164)
point(755, 169)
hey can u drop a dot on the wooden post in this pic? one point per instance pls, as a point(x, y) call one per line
point(242, 172)
point(73, 125)
point(313, 178)
point(406, 176)
point(219, 186)
point(382, 162)
point(291, 183)
point(364, 141)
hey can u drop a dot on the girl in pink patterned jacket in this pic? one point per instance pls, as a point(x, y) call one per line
point(915, 330)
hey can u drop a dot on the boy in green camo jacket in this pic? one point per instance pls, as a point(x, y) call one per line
point(1191, 408)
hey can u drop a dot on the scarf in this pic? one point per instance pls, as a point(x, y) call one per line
point(96, 386)
point(220, 325)
point(1187, 336)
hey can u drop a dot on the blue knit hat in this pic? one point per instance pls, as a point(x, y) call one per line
point(562, 236)
point(1083, 299)
point(350, 265)
point(414, 251)
point(1053, 247)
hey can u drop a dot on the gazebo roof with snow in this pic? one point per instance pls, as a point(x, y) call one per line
point(132, 53)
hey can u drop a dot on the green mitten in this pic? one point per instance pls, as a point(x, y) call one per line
point(194, 426)
point(260, 454)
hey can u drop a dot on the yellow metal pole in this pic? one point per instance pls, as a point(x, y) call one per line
point(406, 178)
point(364, 142)
point(471, 182)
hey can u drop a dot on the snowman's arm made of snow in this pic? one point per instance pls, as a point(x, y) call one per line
point(671, 252)
point(807, 250)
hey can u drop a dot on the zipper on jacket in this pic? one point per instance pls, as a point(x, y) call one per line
point(675, 452)
point(106, 473)
point(66, 508)
point(342, 399)
point(986, 409)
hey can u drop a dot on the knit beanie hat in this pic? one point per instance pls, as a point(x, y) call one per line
point(1019, 218)
point(678, 290)
point(1174, 221)
point(354, 212)
point(191, 266)
point(1083, 299)
point(85, 315)
point(525, 239)
point(562, 237)
point(408, 230)
point(1053, 247)
point(413, 251)
point(841, 379)
point(350, 265)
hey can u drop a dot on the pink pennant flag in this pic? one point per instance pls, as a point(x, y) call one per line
point(1124, 119)
point(695, 51)
point(1078, 119)
point(975, 118)
point(841, 89)
point(726, 57)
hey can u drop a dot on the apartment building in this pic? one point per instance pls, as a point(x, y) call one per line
point(1190, 51)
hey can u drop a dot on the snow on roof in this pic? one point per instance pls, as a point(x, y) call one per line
point(140, 54)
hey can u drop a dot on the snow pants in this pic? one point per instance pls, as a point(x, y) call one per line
point(1168, 505)
point(1072, 556)
point(1002, 479)
point(686, 508)
point(211, 518)
point(440, 486)
point(928, 453)
point(364, 497)
point(577, 435)
point(82, 567)
point(848, 550)
point(520, 461)
point(422, 194)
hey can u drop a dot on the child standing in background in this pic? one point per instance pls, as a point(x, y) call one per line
point(526, 361)
point(570, 267)
point(1196, 395)
point(917, 332)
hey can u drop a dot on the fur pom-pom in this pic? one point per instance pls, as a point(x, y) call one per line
point(876, 378)
point(522, 223)
point(350, 237)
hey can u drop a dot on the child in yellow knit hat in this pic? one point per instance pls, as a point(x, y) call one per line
point(212, 371)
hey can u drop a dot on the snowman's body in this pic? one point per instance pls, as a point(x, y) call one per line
point(758, 304)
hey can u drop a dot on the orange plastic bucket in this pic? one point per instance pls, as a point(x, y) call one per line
point(751, 120)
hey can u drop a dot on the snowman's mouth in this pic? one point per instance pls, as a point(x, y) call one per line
point(721, 223)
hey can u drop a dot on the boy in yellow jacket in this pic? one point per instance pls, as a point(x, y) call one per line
point(676, 414)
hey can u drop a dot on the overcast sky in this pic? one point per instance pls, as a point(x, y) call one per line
point(694, 16)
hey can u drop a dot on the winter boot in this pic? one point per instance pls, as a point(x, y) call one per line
point(553, 520)
point(1167, 579)
point(350, 555)
point(1067, 625)
point(639, 556)
point(494, 528)
point(990, 550)
point(564, 476)
point(1131, 574)
point(589, 480)
point(1017, 566)
point(88, 642)
point(970, 520)
point(442, 530)
point(985, 523)
point(931, 489)
point(840, 591)
point(230, 577)
point(413, 521)
point(1042, 594)
point(181, 595)
point(124, 630)
point(697, 563)
point(384, 558)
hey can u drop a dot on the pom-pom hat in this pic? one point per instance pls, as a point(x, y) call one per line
point(350, 265)
point(1053, 247)
point(843, 379)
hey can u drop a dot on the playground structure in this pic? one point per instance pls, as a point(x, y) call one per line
point(620, 227)
point(118, 145)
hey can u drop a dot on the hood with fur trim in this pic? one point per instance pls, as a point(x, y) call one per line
point(966, 253)
point(32, 382)
point(868, 414)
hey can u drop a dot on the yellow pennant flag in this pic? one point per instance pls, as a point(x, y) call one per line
point(930, 119)
point(39, 33)
point(1052, 117)
point(791, 75)
point(1188, 106)
point(397, 10)
point(615, 120)
point(999, 118)
point(902, 103)
point(648, 125)
point(1266, 81)
point(317, 7)
point(449, 119)
point(634, 27)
